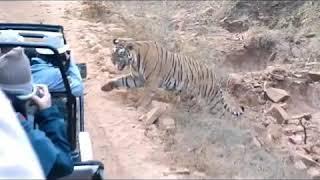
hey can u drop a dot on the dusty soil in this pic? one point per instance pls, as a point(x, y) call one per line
point(266, 44)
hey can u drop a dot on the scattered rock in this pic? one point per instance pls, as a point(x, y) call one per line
point(117, 31)
point(180, 14)
point(296, 139)
point(316, 116)
point(299, 82)
point(110, 25)
point(306, 116)
point(142, 117)
point(236, 78)
point(314, 172)
point(277, 95)
point(315, 76)
point(277, 77)
point(315, 149)
point(316, 177)
point(152, 132)
point(177, 171)
point(256, 85)
point(166, 123)
point(160, 104)
point(99, 29)
point(297, 76)
point(274, 132)
point(96, 49)
point(235, 26)
point(268, 120)
point(158, 109)
point(261, 100)
point(300, 165)
point(307, 149)
point(177, 25)
point(312, 64)
point(208, 12)
point(115, 18)
point(278, 113)
point(310, 35)
point(152, 116)
point(284, 105)
point(90, 43)
point(191, 149)
point(257, 142)
point(277, 73)
point(307, 160)
point(199, 174)
point(272, 56)
point(265, 124)
point(292, 129)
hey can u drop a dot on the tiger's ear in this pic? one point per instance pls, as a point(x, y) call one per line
point(129, 46)
point(116, 41)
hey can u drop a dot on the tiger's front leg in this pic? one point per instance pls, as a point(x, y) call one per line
point(127, 81)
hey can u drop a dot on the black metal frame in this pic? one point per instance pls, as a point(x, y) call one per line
point(62, 63)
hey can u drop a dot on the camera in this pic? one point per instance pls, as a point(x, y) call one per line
point(38, 92)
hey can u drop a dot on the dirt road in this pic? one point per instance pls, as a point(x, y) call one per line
point(118, 138)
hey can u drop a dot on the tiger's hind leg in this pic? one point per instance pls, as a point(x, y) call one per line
point(223, 103)
point(216, 106)
point(191, 103)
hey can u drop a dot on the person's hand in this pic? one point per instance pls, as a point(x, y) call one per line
point(44, 101)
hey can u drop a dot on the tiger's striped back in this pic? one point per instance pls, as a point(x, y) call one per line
point(160, 68)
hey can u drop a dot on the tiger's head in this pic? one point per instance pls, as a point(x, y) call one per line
point(122, 55)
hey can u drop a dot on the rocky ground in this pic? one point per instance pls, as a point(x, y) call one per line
point(271, 49)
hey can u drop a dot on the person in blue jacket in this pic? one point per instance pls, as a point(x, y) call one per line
point(50, 140)
point(44, 72)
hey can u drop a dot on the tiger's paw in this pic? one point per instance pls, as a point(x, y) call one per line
point(231, 104)
point(109, 86)
point(236, 111)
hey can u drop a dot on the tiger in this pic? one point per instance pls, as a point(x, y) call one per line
point(154, 67)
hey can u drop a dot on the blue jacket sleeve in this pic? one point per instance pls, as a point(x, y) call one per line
point(76, 80)
point(44, 73)
point(50, 143)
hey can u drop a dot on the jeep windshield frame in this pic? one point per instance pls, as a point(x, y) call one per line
point(62, 65)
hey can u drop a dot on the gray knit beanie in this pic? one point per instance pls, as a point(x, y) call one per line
point(15, 73)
